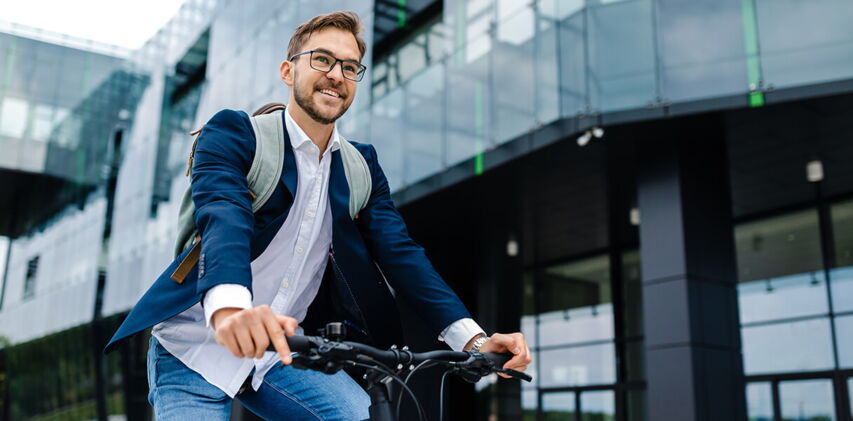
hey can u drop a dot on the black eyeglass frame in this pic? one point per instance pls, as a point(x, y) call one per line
point(359, 74)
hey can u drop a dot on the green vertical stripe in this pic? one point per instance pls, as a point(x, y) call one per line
point(401, 13)
point(479, 129)
point(753, 63)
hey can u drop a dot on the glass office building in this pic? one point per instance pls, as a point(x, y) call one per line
point(656, 192)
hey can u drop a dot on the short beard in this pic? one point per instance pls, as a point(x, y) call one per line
point(307, 104)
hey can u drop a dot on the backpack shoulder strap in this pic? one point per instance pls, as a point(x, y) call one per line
point(267, 164)
point(358, 177)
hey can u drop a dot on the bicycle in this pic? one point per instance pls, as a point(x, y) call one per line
point(329, 354)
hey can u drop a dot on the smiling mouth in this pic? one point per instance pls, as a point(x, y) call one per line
point(330, 93)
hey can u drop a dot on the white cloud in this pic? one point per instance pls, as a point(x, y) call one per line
point(126, 23)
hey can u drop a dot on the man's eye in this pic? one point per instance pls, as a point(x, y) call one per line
point(322, 59)
point(349, 68)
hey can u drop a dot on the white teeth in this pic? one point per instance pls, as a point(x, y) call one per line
point(332, 93)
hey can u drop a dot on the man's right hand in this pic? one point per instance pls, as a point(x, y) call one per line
point(247, 332)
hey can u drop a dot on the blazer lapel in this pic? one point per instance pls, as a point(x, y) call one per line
point(338, 189)
point(288, 173)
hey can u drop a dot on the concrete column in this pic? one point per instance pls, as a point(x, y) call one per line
point(692, 335)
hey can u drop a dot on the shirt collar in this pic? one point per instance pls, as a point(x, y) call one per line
point(299, 139)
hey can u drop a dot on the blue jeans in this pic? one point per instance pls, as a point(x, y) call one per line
point(178, 393)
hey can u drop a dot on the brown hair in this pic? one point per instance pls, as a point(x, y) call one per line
point(347, 21)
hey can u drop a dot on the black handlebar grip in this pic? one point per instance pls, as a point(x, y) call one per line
point(498, 359)
point(296, 344)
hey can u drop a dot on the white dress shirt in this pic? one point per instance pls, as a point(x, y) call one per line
point(286, 276)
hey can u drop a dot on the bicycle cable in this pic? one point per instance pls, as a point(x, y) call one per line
point(441, 396)
point(408, 377)
point(386, 371)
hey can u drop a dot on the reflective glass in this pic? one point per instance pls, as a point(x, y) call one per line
point(701, 49)
point(513, 83)
point(529, 403)
point(559, 406)
point(844, 339)
point(574, 302)
point(807, 400)
point(759, 402)
point(621, 55)
point(787, 347)
point(13, 117)
point(574, 92)
point(577, 366)
point(425, 123)
point(842, 274)
point(850, 395)
point(598, 406)
point(386, 127)
point(42, 122)
point(819, 54)
point(468, 100)
point(780, 268)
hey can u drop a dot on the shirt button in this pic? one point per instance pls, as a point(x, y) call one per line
point(285, 284)
point(309, 213)
point(299, 249)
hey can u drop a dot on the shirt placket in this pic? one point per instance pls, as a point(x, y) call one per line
point(307, 222)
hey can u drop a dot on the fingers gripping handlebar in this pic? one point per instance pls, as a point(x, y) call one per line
point(320, 354)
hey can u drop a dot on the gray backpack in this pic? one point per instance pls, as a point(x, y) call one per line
point(263, 178)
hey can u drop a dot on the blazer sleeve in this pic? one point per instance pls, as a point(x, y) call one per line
point(403, 261)
point(224, 217)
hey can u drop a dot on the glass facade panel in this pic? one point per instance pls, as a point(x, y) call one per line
point(574, 89)
point(13, 117)
point(759, 402)
point(780, 268)
point(386, 129)
point(842, 274)
point(513, 82)
point(598, 406)
point(425, 128)
point(577, 366)
point(823, 53)
point(807, 400)
point(701, 49)
point(468, 100)
point(621, 55)
point(558, 406)
point(844, 340)
point(796, 346)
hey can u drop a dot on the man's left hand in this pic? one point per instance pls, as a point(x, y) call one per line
point(513, 343)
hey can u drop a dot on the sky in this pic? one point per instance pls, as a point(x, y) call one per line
point(126, 23)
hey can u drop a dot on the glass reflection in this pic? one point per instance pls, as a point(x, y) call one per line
point(842, 275)
point(807, 400)
point(558, 406)
point(786, 347)
point(759, 402)
point(844, 339)
point(786, 296)
point(577, 366)
point(597, 406)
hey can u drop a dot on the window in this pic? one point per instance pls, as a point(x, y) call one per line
point(13, 117)
point(30, 280)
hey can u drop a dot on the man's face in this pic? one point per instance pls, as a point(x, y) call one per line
point(324, 96)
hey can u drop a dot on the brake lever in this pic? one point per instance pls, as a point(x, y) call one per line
point(515, 374)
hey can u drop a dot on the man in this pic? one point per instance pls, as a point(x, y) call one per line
point(300, 257)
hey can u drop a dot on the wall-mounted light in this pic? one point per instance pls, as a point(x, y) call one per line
point(512, 247)
point(634, 216)
point(596, 132)
point(814, 171)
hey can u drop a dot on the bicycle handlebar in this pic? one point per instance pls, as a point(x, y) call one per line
point(317, 352)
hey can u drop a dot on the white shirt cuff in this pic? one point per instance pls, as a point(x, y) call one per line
point(460, 332)
point(225, 296)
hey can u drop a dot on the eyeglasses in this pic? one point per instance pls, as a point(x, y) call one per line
point(322, 61)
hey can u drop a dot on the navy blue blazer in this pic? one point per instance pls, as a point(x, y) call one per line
point(353, 289)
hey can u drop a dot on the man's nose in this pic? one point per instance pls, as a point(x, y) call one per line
point(337, 72)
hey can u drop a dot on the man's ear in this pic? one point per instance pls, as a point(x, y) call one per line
point(286, 72)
